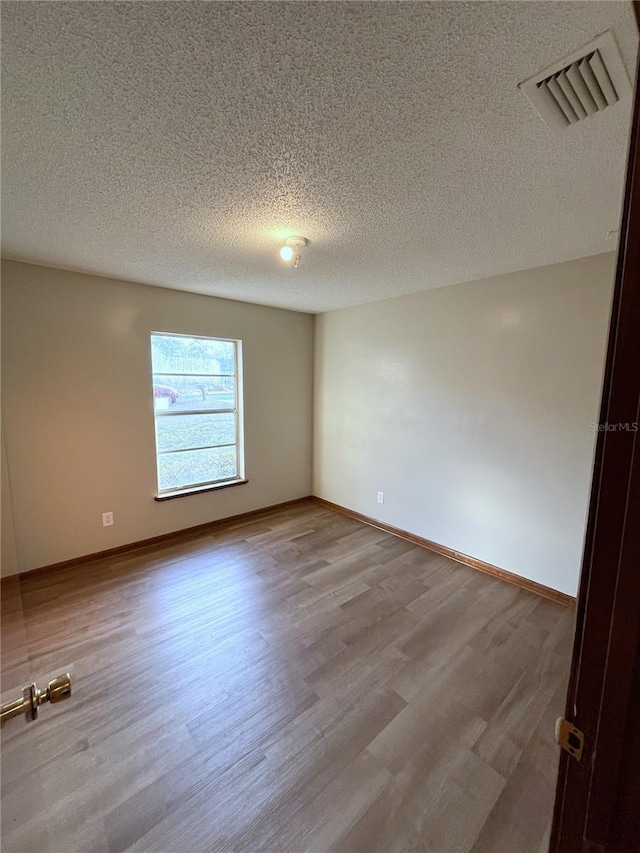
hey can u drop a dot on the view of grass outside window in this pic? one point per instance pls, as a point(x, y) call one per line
point(196, 390)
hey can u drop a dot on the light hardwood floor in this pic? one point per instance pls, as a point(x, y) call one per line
point(296, 683)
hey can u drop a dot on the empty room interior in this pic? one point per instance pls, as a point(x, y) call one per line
point(305, 310)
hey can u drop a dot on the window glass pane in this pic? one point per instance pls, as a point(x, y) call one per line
point(184, 432)
point(171, 354)
point(191, 467)
point(195, 397)
point(190, 393)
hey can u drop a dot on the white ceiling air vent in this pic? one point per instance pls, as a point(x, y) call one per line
point(581, 85)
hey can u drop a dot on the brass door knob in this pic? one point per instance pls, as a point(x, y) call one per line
point(32, 697)
point(59, 689)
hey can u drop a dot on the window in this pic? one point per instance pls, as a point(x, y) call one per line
point(197, 401)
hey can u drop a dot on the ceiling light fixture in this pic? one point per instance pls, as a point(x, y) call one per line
point(292, 249)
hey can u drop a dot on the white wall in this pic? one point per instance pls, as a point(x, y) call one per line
point(78, 415)
point(470, 407)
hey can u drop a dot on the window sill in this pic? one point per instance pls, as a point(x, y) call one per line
point(169, 496)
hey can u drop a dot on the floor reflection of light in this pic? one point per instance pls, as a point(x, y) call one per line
point(211, 622)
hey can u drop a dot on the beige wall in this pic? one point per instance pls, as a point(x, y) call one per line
point(78, 415)
point(8, 556)
point(470, 407)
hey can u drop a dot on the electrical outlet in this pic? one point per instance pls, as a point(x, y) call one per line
point(380, 497)
point(107, 519)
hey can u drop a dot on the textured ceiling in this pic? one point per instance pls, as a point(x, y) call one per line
point(177, 144)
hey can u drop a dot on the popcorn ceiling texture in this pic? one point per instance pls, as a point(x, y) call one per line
point(178, 144)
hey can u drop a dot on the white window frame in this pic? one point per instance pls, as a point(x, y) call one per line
point(238, 410)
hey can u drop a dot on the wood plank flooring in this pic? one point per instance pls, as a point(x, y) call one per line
point(297, 683)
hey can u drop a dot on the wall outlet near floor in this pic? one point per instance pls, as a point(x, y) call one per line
point(380, 497)
point(107, 519)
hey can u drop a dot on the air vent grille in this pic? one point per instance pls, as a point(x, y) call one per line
point(581, 85)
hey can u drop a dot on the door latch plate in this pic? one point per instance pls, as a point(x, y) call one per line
point(569, 738)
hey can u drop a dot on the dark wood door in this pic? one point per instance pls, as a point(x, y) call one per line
point(598, 798)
